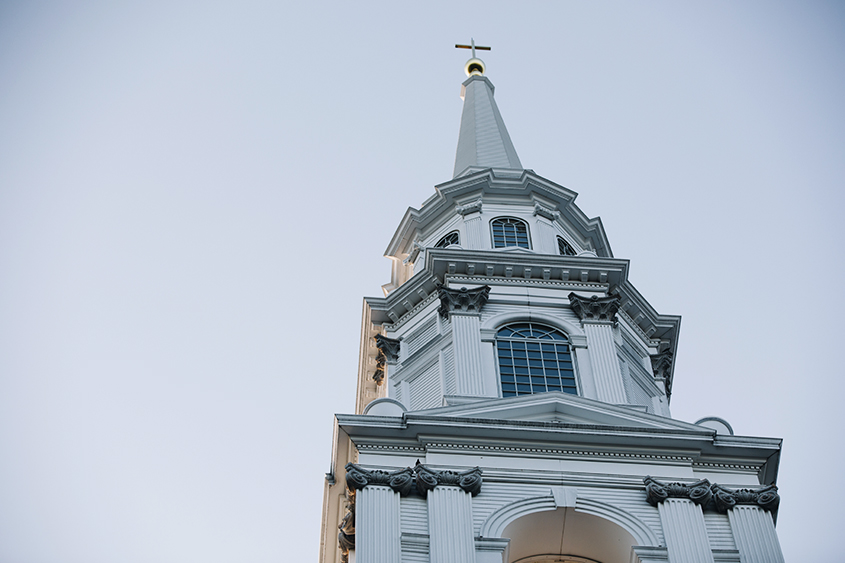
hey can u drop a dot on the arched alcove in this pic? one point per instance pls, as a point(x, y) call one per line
point(554, 534)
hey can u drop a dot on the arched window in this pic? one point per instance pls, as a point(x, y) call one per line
point(534, 358)
point(564, 247)
point(452, 238)
point(509, 231)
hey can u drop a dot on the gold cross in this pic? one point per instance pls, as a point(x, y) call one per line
point(472, 46)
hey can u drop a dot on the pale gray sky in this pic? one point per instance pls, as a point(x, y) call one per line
point(194, 197)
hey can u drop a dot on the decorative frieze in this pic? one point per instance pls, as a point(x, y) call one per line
point(766, 497)
point(657, 492)
point(462, 300)
point(428, 479)
point(594, 308)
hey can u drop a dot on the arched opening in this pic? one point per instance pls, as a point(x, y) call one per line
point(566, 535)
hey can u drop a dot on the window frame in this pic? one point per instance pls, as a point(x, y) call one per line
point(456, 232)
point(561, 373)
point(513, 219)
point(560, 240)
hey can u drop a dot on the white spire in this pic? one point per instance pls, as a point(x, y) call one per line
point(483, 141)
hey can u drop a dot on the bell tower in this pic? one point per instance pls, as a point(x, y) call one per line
point(514, 390)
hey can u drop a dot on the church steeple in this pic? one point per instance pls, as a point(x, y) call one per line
point(483, 141)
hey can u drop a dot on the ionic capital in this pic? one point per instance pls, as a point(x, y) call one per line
point(428, 479)
point(766, 497)
point(400, 481)
point(657, 492)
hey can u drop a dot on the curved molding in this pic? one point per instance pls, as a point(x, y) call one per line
point(496, 523)
point(497, 321)
point(383, 405)
point(643, 534)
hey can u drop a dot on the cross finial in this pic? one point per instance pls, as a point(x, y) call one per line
point(473, 46)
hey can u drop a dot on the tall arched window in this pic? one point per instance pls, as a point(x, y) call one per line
point(509, 231)
point(564, 247)
point(534, 358)
point(452, 238)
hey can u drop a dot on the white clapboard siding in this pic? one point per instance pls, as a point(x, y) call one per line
point(420, 337)
point(719, 530)
point(448, 358)
point(425, 389)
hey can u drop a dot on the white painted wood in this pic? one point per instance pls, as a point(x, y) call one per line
point(754, 532)
point(466, 335)
point(450, 525)
point(605, 365)
point(377, 529)
point(685, 532)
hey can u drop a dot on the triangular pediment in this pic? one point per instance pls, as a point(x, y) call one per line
point(561, 408)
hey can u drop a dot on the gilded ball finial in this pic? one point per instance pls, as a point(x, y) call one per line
point(474, 66)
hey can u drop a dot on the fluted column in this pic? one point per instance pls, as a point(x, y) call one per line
point(473, 226)
point(598, 315)
point(685, 532)
point(682, 518)
point(750, 514)
point(449, 495)
point(377, 527)
point(463, 308)
point(450, 525)
point(374, 506)
point(754, 534)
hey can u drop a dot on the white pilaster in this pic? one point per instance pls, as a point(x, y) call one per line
point(474, 229)
point(377, 532)
point(450, 525)
point(605, 364)
point(466, 335)
point(686, 534)
point(754, 533)
point(545, 241)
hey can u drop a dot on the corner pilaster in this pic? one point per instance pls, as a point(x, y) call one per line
point(449, 495)
point(598, 315)
point(682, 518)
point(374, 508)
point(463, 308)
point(750, 515)
point(473, 227)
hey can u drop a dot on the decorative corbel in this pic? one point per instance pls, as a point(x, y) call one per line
point(661, 365)
point(594, 308)
point(462, 300)
point(428, 479)
point(388, 351)
point(766, 497)
point(656, 492)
